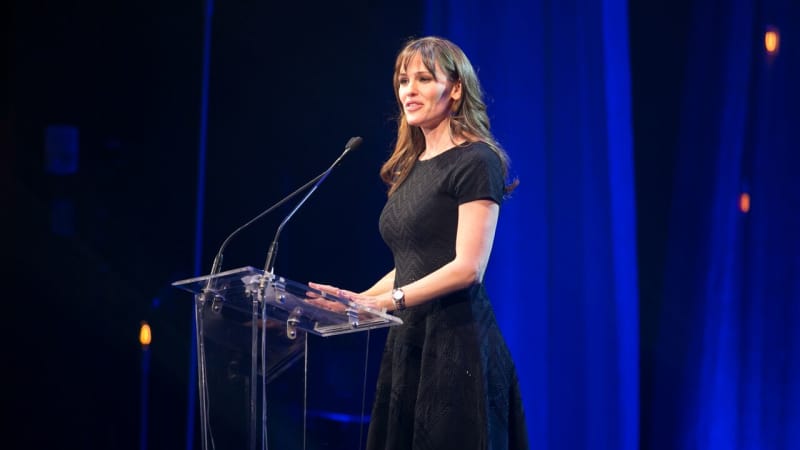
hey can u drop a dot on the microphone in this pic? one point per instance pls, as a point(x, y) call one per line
point(269, 265)
point(216, 267)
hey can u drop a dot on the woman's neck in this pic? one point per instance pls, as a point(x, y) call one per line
point(438, 140)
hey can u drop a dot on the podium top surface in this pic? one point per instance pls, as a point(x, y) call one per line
point(285, 300)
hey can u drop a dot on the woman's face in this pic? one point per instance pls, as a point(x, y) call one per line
point(426, 100)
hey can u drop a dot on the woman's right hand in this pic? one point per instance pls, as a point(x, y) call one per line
point(331, 305)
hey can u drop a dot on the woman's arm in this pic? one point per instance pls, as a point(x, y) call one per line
point(477, 221)
point(382, 286)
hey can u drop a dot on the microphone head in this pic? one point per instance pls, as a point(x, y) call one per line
point(353, 143)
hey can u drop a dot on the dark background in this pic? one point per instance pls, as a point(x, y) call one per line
point(290, 83)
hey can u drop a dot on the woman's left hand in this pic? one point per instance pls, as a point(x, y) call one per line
point(346, 295)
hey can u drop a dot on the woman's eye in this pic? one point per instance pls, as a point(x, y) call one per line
point(403, 81)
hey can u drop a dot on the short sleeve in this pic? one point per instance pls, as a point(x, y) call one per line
point(477, 175)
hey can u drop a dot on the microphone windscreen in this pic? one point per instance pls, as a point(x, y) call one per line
point(354, 142)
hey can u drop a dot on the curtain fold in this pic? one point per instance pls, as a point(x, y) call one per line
point(727, 355)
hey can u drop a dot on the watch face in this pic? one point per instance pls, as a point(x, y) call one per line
point(397, 294)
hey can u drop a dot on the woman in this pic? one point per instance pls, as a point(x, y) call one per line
point(447, 380)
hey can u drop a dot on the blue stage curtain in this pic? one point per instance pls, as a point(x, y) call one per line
point(728, 359)
point(563, 275)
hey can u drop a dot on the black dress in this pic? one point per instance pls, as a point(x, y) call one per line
point(446, 380)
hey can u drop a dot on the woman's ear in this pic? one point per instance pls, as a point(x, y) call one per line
point(455, 91)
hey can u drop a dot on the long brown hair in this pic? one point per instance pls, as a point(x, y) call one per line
point(468, 118)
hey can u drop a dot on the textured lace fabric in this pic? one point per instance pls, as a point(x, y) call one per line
point(447, 379)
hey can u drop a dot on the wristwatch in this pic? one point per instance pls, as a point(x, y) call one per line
point(399, 299)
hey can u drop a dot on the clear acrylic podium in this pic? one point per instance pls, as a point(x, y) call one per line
point(251, 336)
